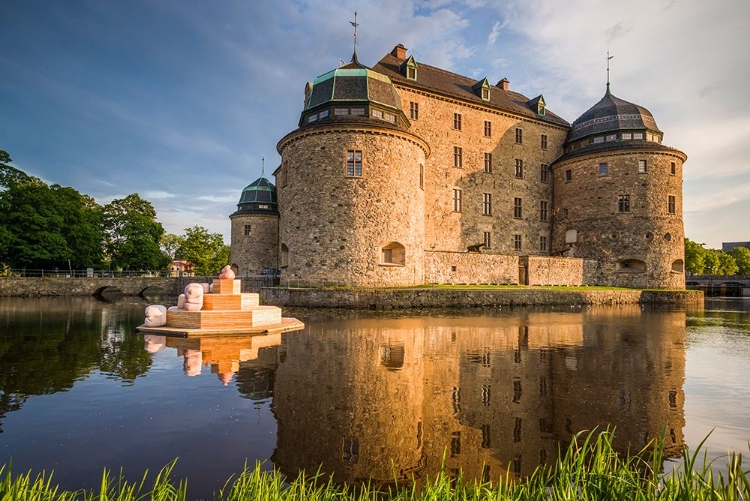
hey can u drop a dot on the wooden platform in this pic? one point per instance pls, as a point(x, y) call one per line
point(286, 325)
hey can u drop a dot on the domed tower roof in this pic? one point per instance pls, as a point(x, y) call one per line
point(258, 197)
point(352, 92)
point(612, 114)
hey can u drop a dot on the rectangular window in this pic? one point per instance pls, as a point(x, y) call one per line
point(519, 136)
point(487, 128)
point(421, 176)
point(341, 111)
point(568, 175)
point(456, 200)
point(247, 229)
point(543, 244)
point(544, 141)
point(673, 168)
point(603, 169)
point(388, 256)
point(544, 173)
point(414, 110)
point(488, 162)
point(354, 163)
point(457, 157)
point(627, 136)
point(487, 240)
point(642, 166)
point(323, 114)
point(517, 211)
point(487, 204)
point(623, 203)
point(517, 242)
point(637, 135)
point(565, 212)
point(611, 137)
point(671, 204)
point(377, 113)
point(457, 121)
point(358, 111)
point(519, 168)
point(543, 212)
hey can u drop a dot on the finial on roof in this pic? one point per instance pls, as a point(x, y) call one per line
point(262, 166)
point(608, 58)
point(354, 23)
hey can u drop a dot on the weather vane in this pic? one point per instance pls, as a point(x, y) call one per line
point(608, 58)
point(262, 165)
point(354, 23)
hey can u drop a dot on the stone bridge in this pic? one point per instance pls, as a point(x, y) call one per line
point(70, 286)
point(714, 285)
point(129, 286)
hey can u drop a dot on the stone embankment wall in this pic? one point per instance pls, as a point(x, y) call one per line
point(64, 286)
point(470, 268)
point(389, 299)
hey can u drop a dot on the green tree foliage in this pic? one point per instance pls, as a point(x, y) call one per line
point(727, 264)
point(694, 257)
point(741, 257)
point(170, 245)
point(710, 262)
point(133, 235)
point(205, 250)
point(82, 227)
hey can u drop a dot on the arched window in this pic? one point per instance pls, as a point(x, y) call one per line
point(393, 253)
point(678, 266)
point(284, 255)
point(631, 266)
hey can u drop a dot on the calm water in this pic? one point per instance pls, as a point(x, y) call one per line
point(366, 395)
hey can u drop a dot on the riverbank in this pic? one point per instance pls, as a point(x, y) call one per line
point(467, 297)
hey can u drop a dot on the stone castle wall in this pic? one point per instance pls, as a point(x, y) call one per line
point(470, 268)
point(258, 249)
point(544, 270)
point(621, 241)
point(334, 227)
point(448, 230)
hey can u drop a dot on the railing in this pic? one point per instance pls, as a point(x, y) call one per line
point(87, 273)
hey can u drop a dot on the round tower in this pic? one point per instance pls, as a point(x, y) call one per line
point(350, 185)
point(255, 229)
point(618, 197)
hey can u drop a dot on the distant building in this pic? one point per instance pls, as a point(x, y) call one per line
point(406, 174)
point(727, 246)
point(181, 268)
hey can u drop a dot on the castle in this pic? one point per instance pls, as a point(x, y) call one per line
point(406, 174)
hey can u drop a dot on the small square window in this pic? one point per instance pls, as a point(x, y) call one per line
point(568, 175)
point(519, 136)
point(248, 230)
point(638, 135)
point(517, 242)
point(544, 173)
point(565, 212)
point(642, 166)
point(627, 136)
point(414, 110)
point(623, 203)
point(457, 157)
point(354, 163)
point(603, 169)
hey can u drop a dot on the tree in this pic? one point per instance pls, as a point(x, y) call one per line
point(711, 262)
point(727, 265)
point(82, 227)
point(170, 245)
point(9, 175)
point(206, 251)
point(741, 256)
point(133, 234)
point(694, 257)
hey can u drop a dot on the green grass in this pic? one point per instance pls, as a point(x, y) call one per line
point(590, 469)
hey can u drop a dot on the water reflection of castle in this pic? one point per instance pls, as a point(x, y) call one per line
point(385, 398)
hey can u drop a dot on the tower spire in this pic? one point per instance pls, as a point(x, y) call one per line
point(608, 58)
point(354, 24)
point(263, 166)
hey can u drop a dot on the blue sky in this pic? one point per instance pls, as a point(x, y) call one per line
point(179, 100)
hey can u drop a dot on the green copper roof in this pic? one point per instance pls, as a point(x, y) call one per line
point(258, 196)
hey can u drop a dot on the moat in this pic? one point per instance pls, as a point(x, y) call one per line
point(364, 394)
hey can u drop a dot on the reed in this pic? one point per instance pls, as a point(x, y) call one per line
point(590, 469)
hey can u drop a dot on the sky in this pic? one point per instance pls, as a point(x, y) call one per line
point(184, 101)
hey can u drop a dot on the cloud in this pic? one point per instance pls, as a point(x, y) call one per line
point(618, 30)
point(158, 195)
point(492, 37)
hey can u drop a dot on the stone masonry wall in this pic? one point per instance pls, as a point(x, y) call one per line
point(335, 226)
point(542, 270)
point(259, 249)
point(470, 268)
point(448, 230)
point(620, 241)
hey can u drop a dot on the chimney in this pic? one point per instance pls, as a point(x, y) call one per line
point(399, 52)
point(503, 84)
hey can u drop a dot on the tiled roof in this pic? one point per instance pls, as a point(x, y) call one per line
point(456, 86)
point(612, 114)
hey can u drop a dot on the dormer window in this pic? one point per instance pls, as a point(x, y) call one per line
point(409, 68)
point(538, 105)
point(482, 89)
